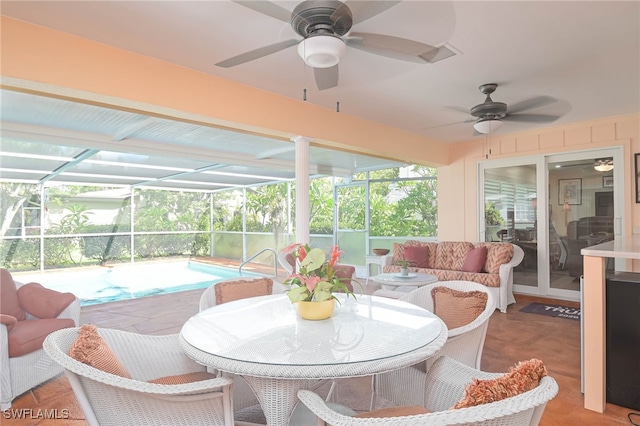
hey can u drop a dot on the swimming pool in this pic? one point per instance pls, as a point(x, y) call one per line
point(131, 281)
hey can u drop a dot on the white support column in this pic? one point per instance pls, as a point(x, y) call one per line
point(302, 189)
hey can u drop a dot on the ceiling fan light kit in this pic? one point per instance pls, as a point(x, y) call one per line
point(325, 28)
point(321, 51)
point(603, 165)
point(487, 126)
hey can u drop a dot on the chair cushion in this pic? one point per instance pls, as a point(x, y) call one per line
point(240, 289)
point(457, 308)
point(180, 379)
point(8, 320)
point(520, 378)
point(27, 335)
point(9, 303)
point(345, 273)
point(404, 410)
point(417, 255)
point(475, 259)
point(91, 349)
point(291, 261)
point(43, 302)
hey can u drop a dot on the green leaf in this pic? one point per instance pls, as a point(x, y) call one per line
point(298, 294)
point(314, 260)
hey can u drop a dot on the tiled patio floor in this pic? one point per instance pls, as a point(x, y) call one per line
point(512, 337)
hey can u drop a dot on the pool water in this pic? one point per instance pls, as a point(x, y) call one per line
point(131, 281)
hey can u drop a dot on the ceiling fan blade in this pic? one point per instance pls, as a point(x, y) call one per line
point(392, 47)
point(267, 8)
point(531, 118)
point(257, 53)
point(462, 110)
point(363, 10)
point(471, 120)
point(536, 102)
point(326, 78)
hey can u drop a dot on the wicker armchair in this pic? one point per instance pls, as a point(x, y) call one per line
point(20, 373)
point(243, 396)
point(108, 399)
point(444, 385)
point(464, 344)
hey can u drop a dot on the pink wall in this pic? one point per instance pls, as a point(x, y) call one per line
point(58, 64)
point(458, 181)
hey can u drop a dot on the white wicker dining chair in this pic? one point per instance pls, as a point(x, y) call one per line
point(108, 399)
point(444, 387)
point(243, 396)
point(464, 344)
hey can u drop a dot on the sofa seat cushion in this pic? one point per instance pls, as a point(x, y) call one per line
point(451, 255)
point(490, 280)
point(27, 336)
point(9, 303)
point(43, 302)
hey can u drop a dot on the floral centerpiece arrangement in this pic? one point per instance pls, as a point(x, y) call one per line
point(315, 279)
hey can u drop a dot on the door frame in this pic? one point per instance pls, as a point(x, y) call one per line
point(541, 162)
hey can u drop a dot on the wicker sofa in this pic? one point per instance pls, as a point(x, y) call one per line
point(446, 260)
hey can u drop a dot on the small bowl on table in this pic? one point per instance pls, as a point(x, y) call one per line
point(380, 251)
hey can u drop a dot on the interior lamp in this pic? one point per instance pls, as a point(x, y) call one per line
point(487, 126)
point(603, 165)
point(566, 208)
point(321, 51)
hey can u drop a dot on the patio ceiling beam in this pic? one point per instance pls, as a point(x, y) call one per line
point(76, 160)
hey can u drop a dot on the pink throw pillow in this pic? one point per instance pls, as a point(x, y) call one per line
point(417, 255)
point(475, 259)
point(9, 303)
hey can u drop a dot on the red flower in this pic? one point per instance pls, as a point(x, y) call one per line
point(302, 253)
point(335, 255)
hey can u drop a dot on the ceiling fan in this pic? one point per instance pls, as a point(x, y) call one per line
point(325, 26)
point(489, 115)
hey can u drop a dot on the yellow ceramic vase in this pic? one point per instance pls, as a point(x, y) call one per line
point(316, 310)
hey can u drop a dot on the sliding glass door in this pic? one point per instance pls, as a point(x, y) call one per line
point(552, 207)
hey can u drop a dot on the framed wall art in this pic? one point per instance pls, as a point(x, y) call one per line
point(637, 175)
point(607, 181)
point(570, 191)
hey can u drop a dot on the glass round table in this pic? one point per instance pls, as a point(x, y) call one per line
point(277, 353)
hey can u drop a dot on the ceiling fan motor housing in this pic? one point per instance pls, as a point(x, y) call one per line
point(321, 17)
point(489, 110)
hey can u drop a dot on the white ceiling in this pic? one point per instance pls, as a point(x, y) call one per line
point(585, 54)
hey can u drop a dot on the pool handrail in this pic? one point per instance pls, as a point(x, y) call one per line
point(275, 260)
